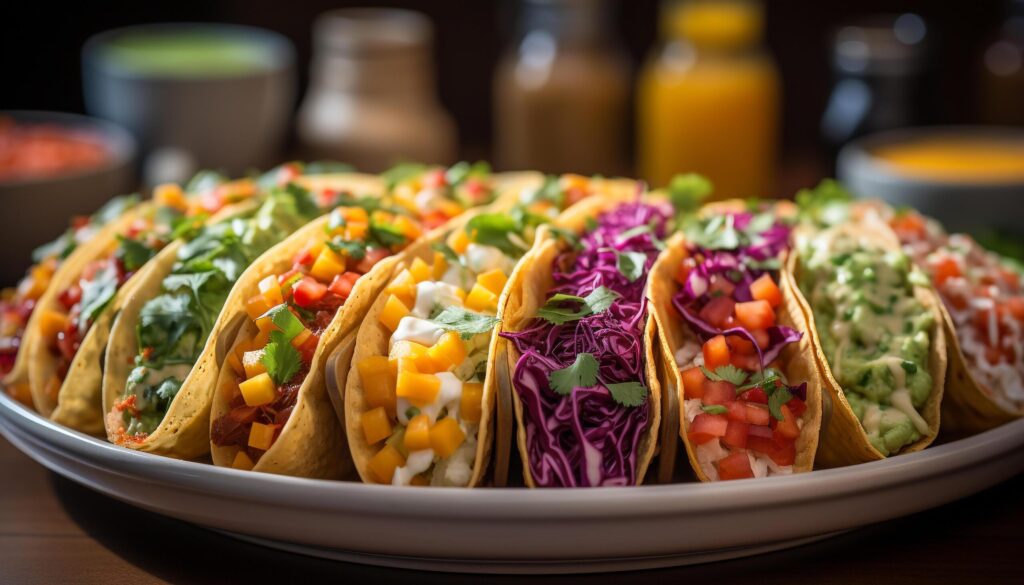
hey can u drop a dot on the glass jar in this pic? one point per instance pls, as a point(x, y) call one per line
point(561, 92)
point(708, 99)
point(372, 99)
point(1002, 78)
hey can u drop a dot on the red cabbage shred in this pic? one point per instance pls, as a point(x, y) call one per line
point(588, 439)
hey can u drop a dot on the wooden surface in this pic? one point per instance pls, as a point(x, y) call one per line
point(55, 531)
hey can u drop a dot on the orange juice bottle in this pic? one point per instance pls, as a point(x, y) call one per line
point(708, 99)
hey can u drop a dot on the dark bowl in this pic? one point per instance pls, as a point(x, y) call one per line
point(39, 209)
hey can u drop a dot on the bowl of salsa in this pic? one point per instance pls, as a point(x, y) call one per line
point(54, 165)
point(969, 177)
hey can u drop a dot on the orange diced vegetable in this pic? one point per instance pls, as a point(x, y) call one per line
point(261, 436)
point(259, 390)
point(458, 241)
point(408, 227)
point(327, 265)
point(242, 460)
point(471, 402)
point(420, 270)
point(419, 480)
point(384, 463)
point(376, 425)
point(693, 383)
point(403, 287)
point(448, 352)
point(235, 363)
point(393, 312)
point(270, 290)
point(755, 314)
point(493, 280)
point(378, 382)
point(256, 306)
point(169, 195)
point(716, 352)
point(419, 389)
point(417, 433)
point(51, 323)
point(414, 352)
point(481, 299)
point(301, 338)
point(440, 265)
point(446, 436)
point(252, 363)
point(765, 289)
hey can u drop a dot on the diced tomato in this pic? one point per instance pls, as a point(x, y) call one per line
point(68, 341)
point(797, 407)
point(343, 283)
point(762, 338)
point(434, 179)
point(308, 348)
point(756, 395)
point(70, 296)
point(693, 383)
point(372, 257)
point(1015, 305)
point(787, 426)
point(721, 286)
point(79, 221)
point(304, 257)
point(717, 311)
point(721, 392)
point(765, 289)
point(716, 353)
point(212, 201)
point(757, 415)
point(685, 267)
point(735, 466)
point(737, 412)
point(327, 197)
point(909, 226)
point(308, 291)
point(740, 345)
point(574, 194)
point(1010, 279)
point(475, 188)
point(945, 269)
point(736, 434)
point(707, 426)
point(780, 453)
point(755, 315)
point(749, 363)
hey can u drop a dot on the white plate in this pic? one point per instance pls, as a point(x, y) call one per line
point(519, 530)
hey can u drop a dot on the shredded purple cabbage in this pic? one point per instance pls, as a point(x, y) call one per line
point(587, 438)
point(741, 266)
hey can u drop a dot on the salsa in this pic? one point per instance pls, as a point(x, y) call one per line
point(31, 151)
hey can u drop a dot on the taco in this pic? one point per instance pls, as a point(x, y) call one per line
point(983, 316)
point(748, 390)
point(421, 404)
point(583, 374)
point(876, 330)
point(18, 323)
point(162, 355)
point(66, 356)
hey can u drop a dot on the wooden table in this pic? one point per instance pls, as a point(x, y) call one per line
point(55, 531)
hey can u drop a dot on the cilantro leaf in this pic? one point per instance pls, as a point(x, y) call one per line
point(386, 235)
point(714, 409)
point(630, 264)
point(728, 373)
point(465, 323)
point(133, 253)
point(280, 358)
point(597, 301)
point(169, 321)
point(463, 170)
point(400, 173)
point(303, 199)
point(205, 180)
point(493, 229)
point(569, 237)
point(450, 255)
point(168, 389)
point(354, 250)
point(97, 294)
point(113, 209)
point(686, 192)
point(581, 374)
point(600, 299)
point(550, 191)
point(778, 397)
point(628, 393)
point(766, 380)
point(827, 204)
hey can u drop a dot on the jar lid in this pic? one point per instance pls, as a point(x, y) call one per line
point(371, 30)
point(716, 24)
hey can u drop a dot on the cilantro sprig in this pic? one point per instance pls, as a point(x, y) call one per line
point(555, 309)
point(582, 373)
point(767, 379)
point(465, 323)
point(280, 358)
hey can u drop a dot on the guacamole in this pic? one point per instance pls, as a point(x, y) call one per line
point(874, 332)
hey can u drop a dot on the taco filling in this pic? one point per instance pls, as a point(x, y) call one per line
point(436, 194)
point(874, 332)
point(982, 293)
point(742, 416)
point(174, 326)
point(291, 312)
point(580, 376)
point(16, 305)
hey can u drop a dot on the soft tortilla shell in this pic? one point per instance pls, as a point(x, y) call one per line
point(527, 290)
point(798, 363)
point(844, 441)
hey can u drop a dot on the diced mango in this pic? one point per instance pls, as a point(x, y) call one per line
point(170, 195)
point(242, 461)
point(481, 299)
point(236, 364)
point(408, 227)
point(419, 389)
point(493, 280)
point(378, 382)
point(471, 401)
point(403, 287)
point(252, 363)
point(571, 181)
point(448, 352)
point(256, 306)
point(327, 265)
point(393, 312)
point(355, 215)
point(258, 390)
point(405, 195)
point(262, 338)
point(376, 425)
point(458, 241)
point(37, 282)
point(449, 208)
point(384, 463)
point(420, 270)
point(440, 265)
point(261, 436)
point(417, 433)
point(51, 323)
point(446, 436)
point(418, 354)
point(301, 338)
point(270, 290)
point(355, 231)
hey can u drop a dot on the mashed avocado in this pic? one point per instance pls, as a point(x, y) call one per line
point(873, 331)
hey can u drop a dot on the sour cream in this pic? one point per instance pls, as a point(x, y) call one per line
point(481, 258)
point(417, 463)
point(418, 330)
point(430, 294)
